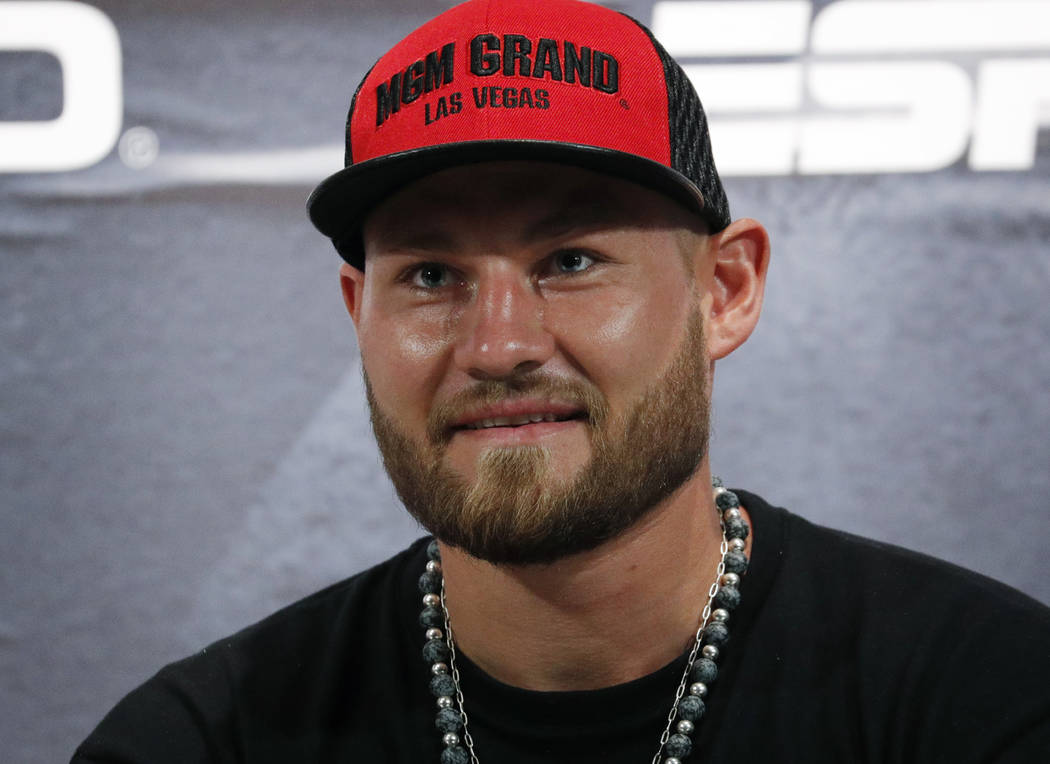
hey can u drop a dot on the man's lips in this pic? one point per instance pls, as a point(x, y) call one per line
point(517, 413)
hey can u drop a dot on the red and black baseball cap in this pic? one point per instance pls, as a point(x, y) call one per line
point(547, 80)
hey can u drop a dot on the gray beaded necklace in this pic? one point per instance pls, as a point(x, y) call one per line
point(701, 669)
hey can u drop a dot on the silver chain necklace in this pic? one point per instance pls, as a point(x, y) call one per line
point(439, 649)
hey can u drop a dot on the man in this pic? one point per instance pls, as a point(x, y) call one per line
point(542, 271)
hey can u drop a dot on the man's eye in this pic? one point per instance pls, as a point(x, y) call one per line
point(430, 276)
point(572, 261)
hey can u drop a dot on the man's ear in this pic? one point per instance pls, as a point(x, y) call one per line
point(352, 282)
point(741, 257)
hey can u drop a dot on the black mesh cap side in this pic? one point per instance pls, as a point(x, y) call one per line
point(691, 152)
point(348, 156)
point(349, 246)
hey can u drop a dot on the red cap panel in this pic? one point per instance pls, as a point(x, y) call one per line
point(546, 70)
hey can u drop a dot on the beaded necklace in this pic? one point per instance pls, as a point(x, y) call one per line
point(439, 649)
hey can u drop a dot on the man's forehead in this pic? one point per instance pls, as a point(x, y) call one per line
point(533, 200)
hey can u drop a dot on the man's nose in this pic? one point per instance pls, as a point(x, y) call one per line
point(501, 332)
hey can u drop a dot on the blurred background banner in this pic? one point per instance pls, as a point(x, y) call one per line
point(184, 444)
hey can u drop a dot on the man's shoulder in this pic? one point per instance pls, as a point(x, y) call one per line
point(309, 634)
point(369, 594)
point(286, 672)
point(826, 557)
point(891, 649)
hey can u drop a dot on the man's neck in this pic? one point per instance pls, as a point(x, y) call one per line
point(597, 618)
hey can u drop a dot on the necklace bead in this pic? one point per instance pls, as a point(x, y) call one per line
point(728, 597)
point(442, 685)
point(455, 755)
point(704, 670)
point(431, 618)
point(716, 633)
point(430, 583)
point(435, 651)
point(691, 708)
point(736, 561)
point(449, 720)
point(679, 745)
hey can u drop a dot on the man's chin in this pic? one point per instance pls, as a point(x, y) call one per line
point(524, 551)
point(552, 473)
point(523, 555)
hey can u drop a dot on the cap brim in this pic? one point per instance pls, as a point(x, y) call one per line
point(340, 203)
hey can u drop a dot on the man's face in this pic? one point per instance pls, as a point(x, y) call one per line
point(533, 343)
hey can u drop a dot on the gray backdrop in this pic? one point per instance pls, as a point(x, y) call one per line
point(183, 441)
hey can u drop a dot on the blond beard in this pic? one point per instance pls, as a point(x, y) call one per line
point(513, 511)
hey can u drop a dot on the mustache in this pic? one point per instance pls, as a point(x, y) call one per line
point(491, 391)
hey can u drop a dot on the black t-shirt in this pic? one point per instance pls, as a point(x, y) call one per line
point(842, 650)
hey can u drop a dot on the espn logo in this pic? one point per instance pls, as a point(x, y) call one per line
point(866, 86)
